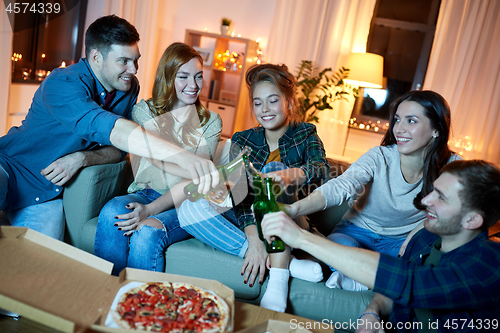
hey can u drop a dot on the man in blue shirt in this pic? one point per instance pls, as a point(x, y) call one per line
point(77, 117)
point(448, 279)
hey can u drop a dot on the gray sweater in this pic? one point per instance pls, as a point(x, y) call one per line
point(147, 175)
point(379, 197)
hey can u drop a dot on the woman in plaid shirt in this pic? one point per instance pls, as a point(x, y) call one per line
point(283, 148)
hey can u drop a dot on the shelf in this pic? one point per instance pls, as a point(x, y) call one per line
point(222, 87)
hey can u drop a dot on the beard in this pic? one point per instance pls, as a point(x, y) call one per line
point(445, 227)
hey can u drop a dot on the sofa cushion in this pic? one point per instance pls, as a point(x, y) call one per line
point(194, 258)
point(88, 192)
point(318, 302)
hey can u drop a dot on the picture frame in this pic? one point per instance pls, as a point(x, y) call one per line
point(206, 54)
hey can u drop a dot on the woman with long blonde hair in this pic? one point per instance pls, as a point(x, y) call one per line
point(135, 229)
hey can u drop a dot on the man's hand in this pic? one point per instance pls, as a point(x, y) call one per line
point(380, 306)
point(279, 224)
point(202, 171)
point(133, 219)
point(61, 170)
point(368, 324)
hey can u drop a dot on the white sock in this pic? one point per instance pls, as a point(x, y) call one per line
point(350, 284)
point(307, 270)
point(276, 293)
point(333, 281)
point(340, 281)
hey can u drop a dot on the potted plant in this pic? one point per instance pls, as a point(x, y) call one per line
point(318, 91)
point(224, 28)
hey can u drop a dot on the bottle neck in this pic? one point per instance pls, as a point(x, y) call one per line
point(234, 164)
point(269, 190)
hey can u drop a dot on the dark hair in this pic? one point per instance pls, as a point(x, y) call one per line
point(481, 188)
point(279, 76)
point(437, 153)
point(164, 95)
point(107, 31)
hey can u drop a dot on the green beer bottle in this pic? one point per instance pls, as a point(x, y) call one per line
point(259, 203)
point(270, 207)
point(225, 171)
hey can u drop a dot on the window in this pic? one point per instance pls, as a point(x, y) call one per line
point(45, 37)
point(402, 32)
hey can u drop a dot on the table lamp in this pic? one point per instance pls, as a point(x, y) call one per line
point(365, 70)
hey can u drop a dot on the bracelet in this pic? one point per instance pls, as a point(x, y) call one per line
point(367, 313)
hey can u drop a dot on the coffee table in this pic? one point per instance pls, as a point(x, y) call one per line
point(246, 315)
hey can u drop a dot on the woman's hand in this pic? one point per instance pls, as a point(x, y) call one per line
point(287, 177)
point(255, 258)
point(288, 209)
point(402, 249)
point(133, 219)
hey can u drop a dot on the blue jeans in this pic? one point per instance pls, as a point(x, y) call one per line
point(46, 218)
point(218, 229)
point(145, 248)
point(348, 234)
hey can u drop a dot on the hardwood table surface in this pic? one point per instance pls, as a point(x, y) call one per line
point(246, 315)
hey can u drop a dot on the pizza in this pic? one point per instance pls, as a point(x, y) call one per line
point(171, 307)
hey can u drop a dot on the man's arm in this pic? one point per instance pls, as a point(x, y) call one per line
point(380, 306)
point(63, 169)
point(128, 136)
point(358, 264)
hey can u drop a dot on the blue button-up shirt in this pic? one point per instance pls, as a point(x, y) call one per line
point(65, 116)
point(462, 291)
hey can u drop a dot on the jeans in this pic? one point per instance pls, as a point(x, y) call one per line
point(348, 234)
point(46, 218)
point(145, 247)
point(219, 230)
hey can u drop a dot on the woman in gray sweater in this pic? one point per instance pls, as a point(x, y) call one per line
point(385, 185)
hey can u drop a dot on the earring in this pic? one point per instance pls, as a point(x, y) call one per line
point(434, 136)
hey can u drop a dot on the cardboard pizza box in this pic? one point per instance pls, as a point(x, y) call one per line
point(65, 288)
point(274, 326)
point(129, 275)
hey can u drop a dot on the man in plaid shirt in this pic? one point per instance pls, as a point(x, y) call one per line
point(448, 280)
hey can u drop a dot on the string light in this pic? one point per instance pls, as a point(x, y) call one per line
point(229, 61)
point(368, 126)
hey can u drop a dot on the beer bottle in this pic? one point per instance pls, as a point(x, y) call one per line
point(270, 207)
point(225, 171)
point(259, 203)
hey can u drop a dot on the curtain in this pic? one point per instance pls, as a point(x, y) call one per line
point(5, 69)
point(464, 67)
point(155, 22)
point(324, 31)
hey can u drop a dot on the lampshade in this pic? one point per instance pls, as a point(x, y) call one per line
point(365, 70)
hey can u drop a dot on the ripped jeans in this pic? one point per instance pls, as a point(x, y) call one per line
point(145, 248)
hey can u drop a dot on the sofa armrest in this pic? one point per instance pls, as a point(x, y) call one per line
point(86, 194)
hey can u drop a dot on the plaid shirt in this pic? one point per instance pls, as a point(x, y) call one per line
point(462, 291)
point(300, 147)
